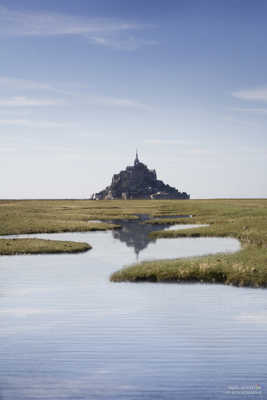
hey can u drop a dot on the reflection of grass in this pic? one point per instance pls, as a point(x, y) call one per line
point(40, 246)
point(242, 219)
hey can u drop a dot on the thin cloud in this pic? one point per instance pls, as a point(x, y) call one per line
point(244, 123)
point(24, 84)
point(98, 101)
point(168, 142)
point(72, 96)
point(129, 43)
point(8, 149)
point(199, 152)
point(59, 152)
point(214, 153)
point(17, 23)
point(33, 124)
point(254, 318)
point(256, 94)
point(254, 151)
point(17, 112)
point(188, 148)
point(185, 148)
point(251, 110)
point(25, 312)
point(22, 101)
point(118, 102)
point(100, 31)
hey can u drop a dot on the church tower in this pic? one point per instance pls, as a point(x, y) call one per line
point(136, 161)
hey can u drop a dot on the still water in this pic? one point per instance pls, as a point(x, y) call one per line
point(68, 333)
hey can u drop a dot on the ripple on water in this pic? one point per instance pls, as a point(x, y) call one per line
point(69, 333)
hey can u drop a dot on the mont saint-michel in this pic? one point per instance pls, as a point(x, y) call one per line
point(138, 182)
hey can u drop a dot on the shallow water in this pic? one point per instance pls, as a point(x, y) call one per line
point(68, 333)
point(185, 226)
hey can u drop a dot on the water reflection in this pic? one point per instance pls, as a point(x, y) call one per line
point(135, 233)
point(67, 332)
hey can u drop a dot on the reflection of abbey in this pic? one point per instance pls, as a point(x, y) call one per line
point(138, 182)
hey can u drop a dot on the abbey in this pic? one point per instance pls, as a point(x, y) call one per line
point(138, 182)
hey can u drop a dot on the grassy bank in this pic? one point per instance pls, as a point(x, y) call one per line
point(242, 219)
point(245, 220)
point(245, 268)
point(40, 246)
point(35, 216)
point(48, 216)
point(54, 216)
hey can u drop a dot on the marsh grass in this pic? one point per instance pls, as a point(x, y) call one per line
point(47, 216)
point(40, 246)
point(27, 217)
point(249, 230)
point(245, 220)
point(245, 268)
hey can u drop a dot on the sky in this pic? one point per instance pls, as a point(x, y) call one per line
point(84, 83)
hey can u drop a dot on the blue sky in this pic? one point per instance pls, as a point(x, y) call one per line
point(84, 83)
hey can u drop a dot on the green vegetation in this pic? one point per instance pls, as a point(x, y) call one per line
point(47, 216)
point(242, 219)
point(245, 268)
point(41, 216)
point(40, 246)
point(245, 220)
point(53, 216)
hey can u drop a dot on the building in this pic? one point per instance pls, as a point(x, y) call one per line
point(138, 182)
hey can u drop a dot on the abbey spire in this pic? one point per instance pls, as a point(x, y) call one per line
point(136, 161)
